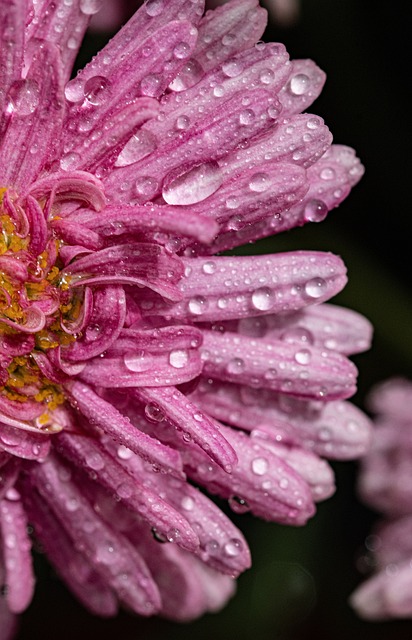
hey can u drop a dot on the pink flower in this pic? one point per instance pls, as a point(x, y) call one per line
point(133, 360)
point(385, 484)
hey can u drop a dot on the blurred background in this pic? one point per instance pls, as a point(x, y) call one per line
point(301, 578)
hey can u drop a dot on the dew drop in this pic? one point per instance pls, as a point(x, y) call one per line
point(173, 534)
point(313, 123)
point(303, 356)
point(297, 334)
point(315, 211)
point(95, 89)
point(95, 461)
point(182, 123)
point(187, 503)
point(152, 85)
point(197, 305)
point(260, 466)
point(195, 185)
point(232, 68)
point(327, 173)
point(178, 358)
point(153, 7)
point(90, 7)
point(154, 413)
point(124, 453)
point(188, 76)
point(158, 536)
point(146, 186)
point(182, 50)
point(238, 504)
point(262, 298)
point(92, 332)
point(266, 76)
point(70, 161)
point(140, 145)
point(209, 267)
point(316, 287)
point(233, 547)
point(259, 182)
point(299, 84)
point(247, 116)
point(23, 97)
point(235, 366)
point(136, 362)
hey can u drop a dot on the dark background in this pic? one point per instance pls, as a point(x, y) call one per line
point(301, 578)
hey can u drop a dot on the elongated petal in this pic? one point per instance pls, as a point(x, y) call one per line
point(12, 20)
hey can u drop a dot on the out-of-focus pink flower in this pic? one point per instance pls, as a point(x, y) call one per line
point(133, 360)
point(385, 485)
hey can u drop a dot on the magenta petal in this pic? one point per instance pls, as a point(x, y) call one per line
point(17, 555)
point(32, 138)
point(22, 443)
point(303, 87)
point(103, 415)
point(194, 425)
point(221, 288)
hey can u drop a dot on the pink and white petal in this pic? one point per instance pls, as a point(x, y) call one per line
point(147, 221)
point(10, 468)
point(188, 163)
point(23, 443)
point(336, 430)
point(110, 553)
point(136, 495)
point(237, 25)
point(16, 555)
point(104, 416)
point(105, 324)
point(142, 264)
point(32, 139)
point(63, 25)
point(385, 595)
point(185, 416)
point(316, 472)
point(261, 482)
point(69, 186)
point(324, 326)
point(223, 288)
point(98, 152)
point(12, 20)
point(144, 23)
point(393, 399)
point(303, 87)
point(145, 71)
point(265, 67)
point(71, 565)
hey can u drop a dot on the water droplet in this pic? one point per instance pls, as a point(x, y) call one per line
point(173, 534)
point(235, 223)
point(212, 547)
point(232, 68)
point(299, 84)
point(262, 298)
point(259, 182)
point(95, 89)
point(247, 116)
point(187, 503)
point(72, 505)
point(303, 356)
point(327, 173)
point(137, 362)
point(195, 185)
point(182, 123)
point(316, 287)
point(178, 358)
point(138, 147)
point(271, 374)
point(95, 461)
point(158, 536)
point(70, 161)
point(153, 7)
point(209, 267)
point(182, 50)
point(146, 186)
point(23, 97)
point(238, 505)
point(228, 39)
point(92, 332)
point(266, 76)
point(232, 203)
point(124, 453)
point(233, 547)
point(125, 490)
point(197, 305)
point(90, 7)
point(313, 123)
point(324, 434)
point(188, 76)
point(152, 85)
point(260, 466)
point(235, 366)
point(297, 334)
point(154, 413)
point(315, 211)
point(283, 483)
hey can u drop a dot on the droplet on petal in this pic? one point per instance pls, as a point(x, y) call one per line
point(315, 211)
point(23, 97)
point(315, 288)
point(262, 298)
point(140, 145)
point(195, 185)
point(299, 84)
point(90, 7)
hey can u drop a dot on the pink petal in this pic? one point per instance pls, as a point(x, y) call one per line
point(305, 83)
point(12, 20)
point(23, 443)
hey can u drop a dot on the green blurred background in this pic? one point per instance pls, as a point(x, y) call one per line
point(301, 578)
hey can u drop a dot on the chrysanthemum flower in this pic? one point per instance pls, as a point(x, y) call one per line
point(385, 484)
point(135, 364)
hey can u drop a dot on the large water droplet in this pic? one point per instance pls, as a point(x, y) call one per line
point(188, 76)
point(303, 356)
point(315, 211)
point(232, 68)
point(136, 362)
point(299, 84)
point(327, 173)
point(153, 7)
point(146, 186)
point(260, 466)
point(262, 298)
point(233, 547)
point(259, 182)
point(197, 305)
point(209, 267)
point(90, 7)
point(238, 504)
point(139, 146)
point(195, 185)
point(154, 413)
point(23, 97)
point(95, 89)
point(316, 287)
point(151, 85)
point(235, 366)
point(178, 358)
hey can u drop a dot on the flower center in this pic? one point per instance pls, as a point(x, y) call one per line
point(36, 307)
